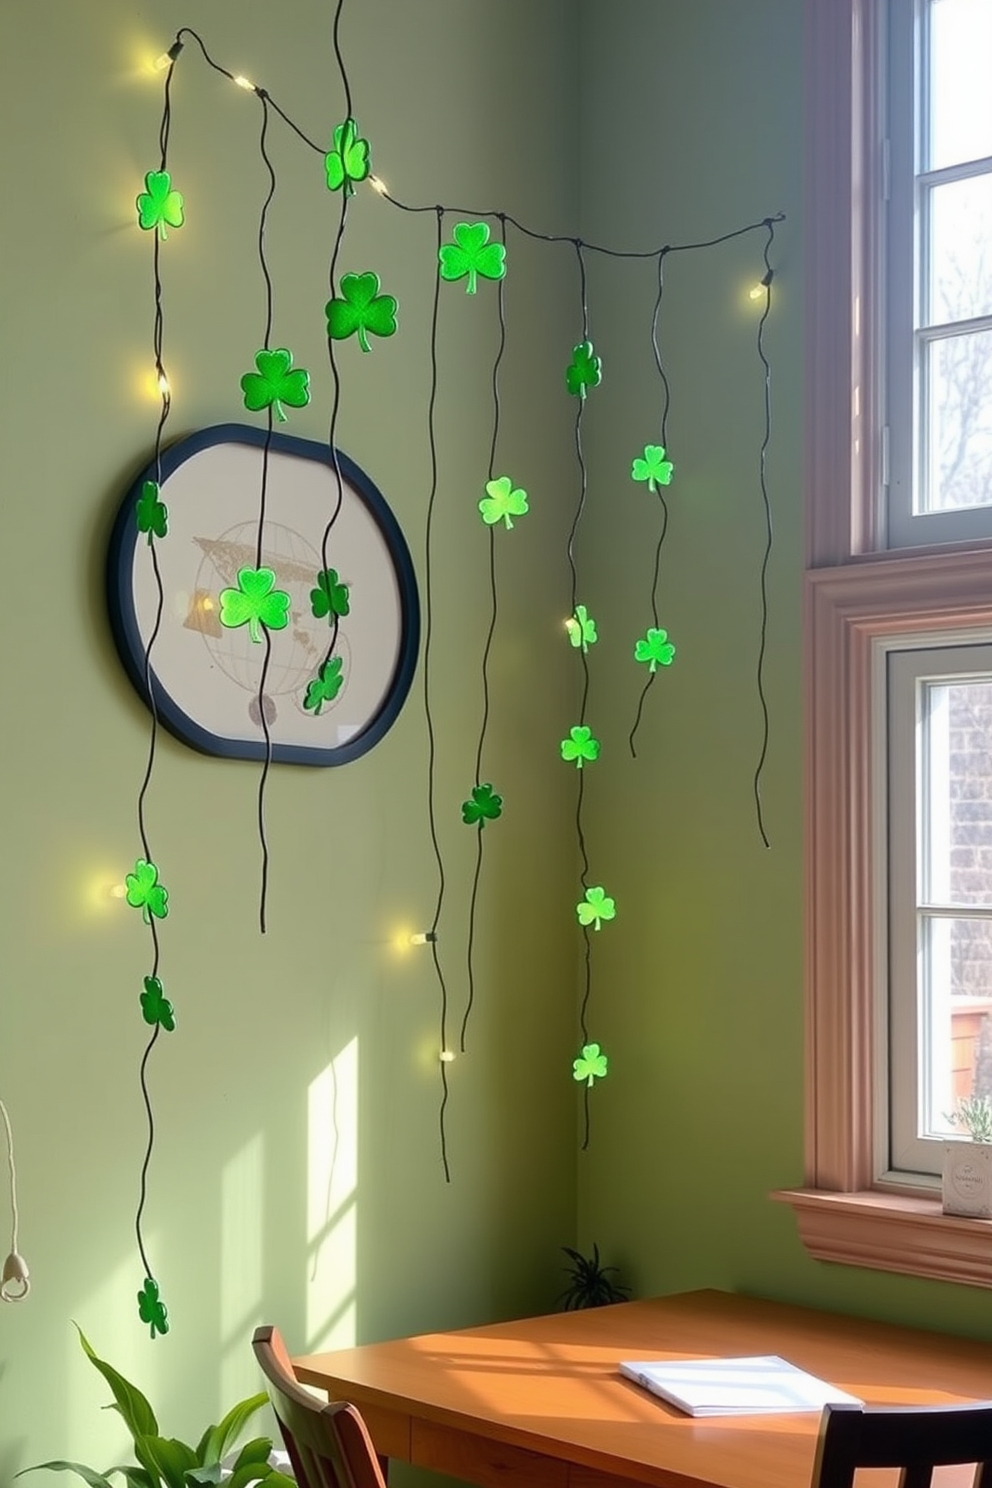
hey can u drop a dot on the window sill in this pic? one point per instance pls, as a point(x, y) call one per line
point(892, 1232)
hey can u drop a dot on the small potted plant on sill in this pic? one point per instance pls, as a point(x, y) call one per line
point(164, 1462)
point(966, 1179)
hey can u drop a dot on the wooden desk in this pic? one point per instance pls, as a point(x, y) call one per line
point(538, 1403)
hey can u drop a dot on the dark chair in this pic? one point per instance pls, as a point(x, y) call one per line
point(328, 1445)
point(914, 1438)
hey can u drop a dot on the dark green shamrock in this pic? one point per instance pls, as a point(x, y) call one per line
point(595, 908)
point(158, 204)
point(585, 370)
point(151, 1308)
point(581, 628)
point(592, 1065)
point(144, 891)
point(655, 648)
point(325, 686)
point(580, 746)
point(274, 384)
point(348, 161)
point(156, 1007)
point(484, 804)
point(503, 502)
point(330, 596)
point(472, 254)
point(152, 514)
point(255, 602)
point(654, 468)
point(361, 308)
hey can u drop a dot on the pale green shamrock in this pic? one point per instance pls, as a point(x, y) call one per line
point(654, 468)
point(655, 648)
point(472, 254)
point(255, 602)
point(581, 628)
point(591, 1065)
point(595, 908)
point(503, 502)
point(580, 746)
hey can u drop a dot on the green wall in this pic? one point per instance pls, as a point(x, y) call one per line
point(635, 123)
point(702, 1116)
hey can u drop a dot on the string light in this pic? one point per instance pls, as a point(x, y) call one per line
point(167, 58)
point(423, 937)
point(447, 1055)
point(242, 82)
point(378, 185)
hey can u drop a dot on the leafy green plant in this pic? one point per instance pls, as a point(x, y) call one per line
point(974, 1113)
point(590, 1283)
point(165, 1462)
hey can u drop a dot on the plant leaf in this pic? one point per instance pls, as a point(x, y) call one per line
point(88, 1474)
point(222, 1437)
point(170, 1457)
point(137, 1414)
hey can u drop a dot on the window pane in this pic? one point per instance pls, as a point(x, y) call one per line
point(961, 99)
point(956, 835)
point(956, 1043)
point(957, 377)
point(960, 248)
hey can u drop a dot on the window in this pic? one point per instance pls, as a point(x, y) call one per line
point(896, 603)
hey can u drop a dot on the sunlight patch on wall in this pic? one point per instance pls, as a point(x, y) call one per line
point(332, 1195)
point(240, 1288)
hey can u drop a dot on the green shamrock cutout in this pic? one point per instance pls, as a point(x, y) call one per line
point(348, 161)
point(252, 603)
point(151, 1308)
point(656, 648)
point(592, 1065)
point(152, 514)
point(325, 686)
point(595, 908)
point(158, 204)
point(156, 1007)
point(361, 308)
point(330, 596)
point(581, 628)
point(503, 502)
point(654, 468)
point(472, 254)
point(144, 891)
point(580, 746)
point(274, 384)
point(484, 805)
point(585, 370)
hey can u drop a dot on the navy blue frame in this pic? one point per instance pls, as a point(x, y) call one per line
point(131, 647)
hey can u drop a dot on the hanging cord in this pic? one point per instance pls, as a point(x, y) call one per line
point(493, 618)
point(766, 440)
point(666, 404)
point(15, 1279)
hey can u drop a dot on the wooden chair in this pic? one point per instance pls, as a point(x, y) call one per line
point(328, 1445)
point(914, 1438)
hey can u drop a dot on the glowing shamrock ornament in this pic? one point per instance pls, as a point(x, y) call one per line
point(330, 596)
point(591, 1065)
point(151, 1309)
point(325, 686)
point(254, 602)
point(655, 648)
point(580, 746)
point(472, 254)
point(156, 1007)
point(581, 628)
point(360, 308)
point(502, 503)
point(484, 805)
point(595, 908)
point(158, 204)
point(654, 468)
point(144, 891)
point(275, 384)
point(348, 161)
point(152, 514)
point(585, 370)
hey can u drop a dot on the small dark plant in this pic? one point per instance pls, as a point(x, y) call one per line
point(167, 1463)
point(589, 1282)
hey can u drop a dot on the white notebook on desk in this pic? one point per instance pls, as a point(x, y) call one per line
point(761, 1384)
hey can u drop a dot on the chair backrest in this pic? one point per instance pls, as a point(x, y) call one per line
point(328, 1445)
point(914, 1438)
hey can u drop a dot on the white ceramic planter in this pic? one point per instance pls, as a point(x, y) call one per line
point(966, 1186)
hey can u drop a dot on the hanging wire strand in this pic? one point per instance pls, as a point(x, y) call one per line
point(766, 504)
point(487, 650)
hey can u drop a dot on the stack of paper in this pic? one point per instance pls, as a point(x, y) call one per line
point(760, 1385)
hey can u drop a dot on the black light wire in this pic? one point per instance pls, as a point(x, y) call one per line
point(666, 405)
point(493, 618)
point(766, 504)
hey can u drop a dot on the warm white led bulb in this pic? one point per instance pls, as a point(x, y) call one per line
point(423, 937)
point(246, 83)
point(377, 185)
point(447, 1055)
